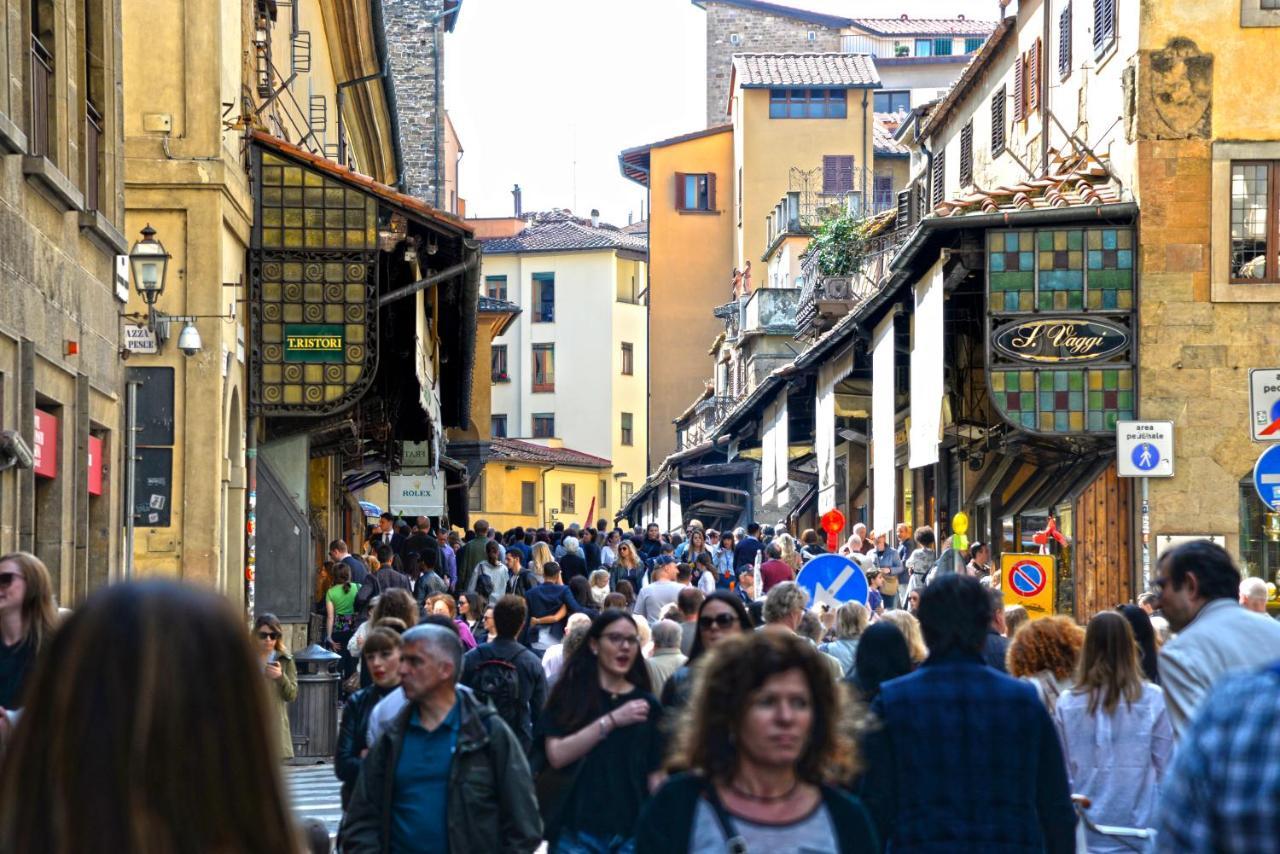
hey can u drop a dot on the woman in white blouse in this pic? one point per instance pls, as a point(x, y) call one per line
point(1115, 732)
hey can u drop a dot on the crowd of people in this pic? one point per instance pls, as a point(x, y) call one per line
point(499, 702)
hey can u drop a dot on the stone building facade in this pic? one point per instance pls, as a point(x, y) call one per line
point(414, 31)
point(734, 26)
point(61, 214)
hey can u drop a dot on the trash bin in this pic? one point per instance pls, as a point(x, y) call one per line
point(313, 717)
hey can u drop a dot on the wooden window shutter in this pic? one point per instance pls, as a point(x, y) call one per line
point(682, 204)
point(829, 170)
point(1033, 77)
point(1104, 24)
point(997, 121)
point(711, 191)
point(1064, 43)
point(966, 154)
point(939, 176)
point(1019, 88)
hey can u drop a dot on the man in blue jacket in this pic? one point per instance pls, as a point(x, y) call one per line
point(546, 623)
point(969, 759)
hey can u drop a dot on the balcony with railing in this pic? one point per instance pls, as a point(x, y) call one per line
point(824, 300)
point(771, 311)
point(706, 416)
point(41, 89)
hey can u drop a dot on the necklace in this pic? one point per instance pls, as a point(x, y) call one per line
point(765, 799)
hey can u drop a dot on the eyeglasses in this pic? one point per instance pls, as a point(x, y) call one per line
point(6, 578)
point(720, 621)
point(268, 636)
point(622, 640)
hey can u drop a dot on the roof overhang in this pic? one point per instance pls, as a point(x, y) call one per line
point(634, 161)
point(970, 76)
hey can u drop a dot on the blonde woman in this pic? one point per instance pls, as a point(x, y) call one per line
point(628, 566)
point(27, 619)
point(851, 622)
point(910, 628)
point(790, 555)
point(541, 556)
point(281, 674)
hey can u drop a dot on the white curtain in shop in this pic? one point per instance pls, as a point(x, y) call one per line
point(768, 451)
point(926, 370)
point(824, 429)
point(882, 424)
point(782, 450)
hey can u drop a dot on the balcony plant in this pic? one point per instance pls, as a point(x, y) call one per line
point(839, 246)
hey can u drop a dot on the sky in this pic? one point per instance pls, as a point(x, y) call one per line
point(546, 93)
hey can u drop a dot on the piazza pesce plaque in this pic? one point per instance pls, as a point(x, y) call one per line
point(1060, 340)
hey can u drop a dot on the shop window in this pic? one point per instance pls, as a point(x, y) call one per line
point(528, 498)
point(568, 498)
point(544, 426)
point(1259, 553)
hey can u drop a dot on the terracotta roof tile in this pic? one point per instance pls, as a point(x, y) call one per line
point(527, 452)
point(805, 69)
point(1073, 180)
point(883, 138)
point(906, 26)
point(342, 173)
point(565, 235)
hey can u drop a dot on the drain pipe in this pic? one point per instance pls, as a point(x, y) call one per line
point(130, 472)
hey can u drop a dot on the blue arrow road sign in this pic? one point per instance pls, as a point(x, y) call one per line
point(1145, 456)
point(834, 579)
point(1266, 477)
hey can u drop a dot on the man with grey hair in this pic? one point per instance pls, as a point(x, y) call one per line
point(443, 755)
point(784, 608)
point(1253, 595)
point(667, 657)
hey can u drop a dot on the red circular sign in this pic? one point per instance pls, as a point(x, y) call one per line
point(1027, 578)
point(833, 521)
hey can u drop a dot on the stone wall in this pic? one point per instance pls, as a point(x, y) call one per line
point(415, 48)
point(760, 32)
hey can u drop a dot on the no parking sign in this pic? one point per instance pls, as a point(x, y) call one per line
point(1028, 580)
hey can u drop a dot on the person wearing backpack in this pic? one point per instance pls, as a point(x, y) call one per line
point(489, 577)
point(506, 675)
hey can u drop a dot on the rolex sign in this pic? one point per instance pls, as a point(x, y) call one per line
point(416, 493)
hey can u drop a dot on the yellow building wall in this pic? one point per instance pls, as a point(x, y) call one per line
point(502, 494)
point(691, 257)
point(630, 393)
point(768, 149)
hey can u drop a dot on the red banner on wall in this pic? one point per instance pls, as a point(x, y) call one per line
point(95, 465)
point(45, 445)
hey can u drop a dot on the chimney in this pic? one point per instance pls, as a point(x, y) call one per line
point(595, 218)
point(515, 194)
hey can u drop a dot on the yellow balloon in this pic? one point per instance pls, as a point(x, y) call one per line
point(960, 524)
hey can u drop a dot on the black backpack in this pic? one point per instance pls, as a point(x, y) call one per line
point(496, 681)
point(484, 584)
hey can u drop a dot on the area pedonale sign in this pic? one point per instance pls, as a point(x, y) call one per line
point(1060, 340)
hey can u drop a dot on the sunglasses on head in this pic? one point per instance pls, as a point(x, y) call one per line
point(6, 578)
point(720, 621)
point(268, 635)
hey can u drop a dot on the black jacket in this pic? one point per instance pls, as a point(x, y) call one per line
point(591, 556)
point(744, 553)
point(572, 565)
point(352, 733)
point(666, 821)
point(491, 804)
point(532, 678)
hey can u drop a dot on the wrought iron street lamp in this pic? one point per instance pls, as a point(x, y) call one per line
point(149, 262)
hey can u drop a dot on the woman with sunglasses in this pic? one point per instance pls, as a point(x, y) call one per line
point(721, 615)
point(27, 619)
point(627, 567)
point(281, 674)
point(597, 742)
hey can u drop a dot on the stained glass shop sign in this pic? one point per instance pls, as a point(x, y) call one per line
point(1060, 328)
point(312, 343)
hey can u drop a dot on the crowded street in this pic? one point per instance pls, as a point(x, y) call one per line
point(639, 427)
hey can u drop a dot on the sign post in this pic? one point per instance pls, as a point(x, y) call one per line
point(1028, 580)
point(1144, 449)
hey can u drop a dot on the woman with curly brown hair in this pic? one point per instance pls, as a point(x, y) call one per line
point(762, 741)
point(1044, 652)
